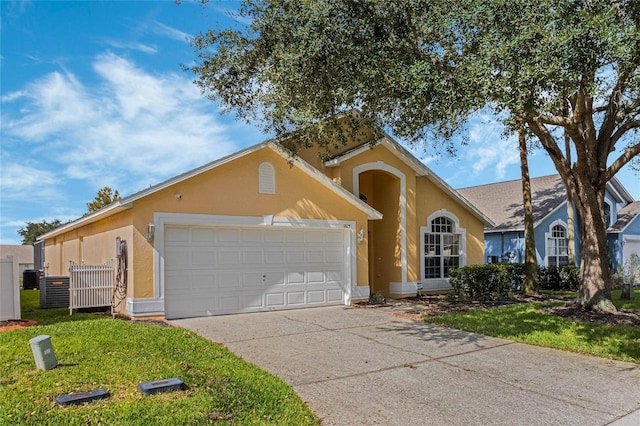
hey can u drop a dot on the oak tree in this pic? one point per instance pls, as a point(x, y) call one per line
point(421, 68)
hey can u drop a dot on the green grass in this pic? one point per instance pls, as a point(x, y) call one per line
point(95, 351)
point(526, 323)
point(630, 305)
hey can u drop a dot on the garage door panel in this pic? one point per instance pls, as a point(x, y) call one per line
point(316, 296)
point(296, 298)
point(335, 236)
point(202, 236)
point(176, 235)
point(214, 270)
point(334, 256)
point(204, 258)
point(253, 257)
point(315, 256)
point(228, 257)
point(274, 299)
point(227, 235)
point(274, 257)
point(274, 278)
point(228, 279)
point(296, 277)
point(176, 258)
point(295, 236)
point(294, 257)
point(252, 236)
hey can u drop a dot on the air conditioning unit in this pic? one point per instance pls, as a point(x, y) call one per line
point(54, 292)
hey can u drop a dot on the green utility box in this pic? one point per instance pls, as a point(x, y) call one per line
point(43, 352)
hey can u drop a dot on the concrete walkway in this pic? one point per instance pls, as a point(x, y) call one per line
point(357, 366)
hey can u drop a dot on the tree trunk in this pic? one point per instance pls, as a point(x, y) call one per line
point(595, 274)
point(530, 285)
point(571, 227)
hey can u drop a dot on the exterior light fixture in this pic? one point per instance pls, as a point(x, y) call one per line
point(361, 235)
point(151, 230)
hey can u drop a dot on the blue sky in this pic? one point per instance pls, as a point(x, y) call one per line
point(93, 95)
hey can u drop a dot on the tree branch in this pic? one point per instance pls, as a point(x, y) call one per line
point(549, 143)
point(634, 124)
point(629, 154)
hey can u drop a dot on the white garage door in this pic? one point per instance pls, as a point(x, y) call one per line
point(214, 270)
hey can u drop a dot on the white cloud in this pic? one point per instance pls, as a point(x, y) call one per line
point(141, 47)
point(130, 130)
point(20, 180)
point(489, 149)
point(172, 33)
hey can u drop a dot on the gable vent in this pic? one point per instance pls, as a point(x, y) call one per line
point(266, 178)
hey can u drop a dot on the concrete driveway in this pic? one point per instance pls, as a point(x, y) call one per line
point(356, 366)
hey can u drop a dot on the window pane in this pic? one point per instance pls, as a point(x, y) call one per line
point(432, 267)
point(450, 262)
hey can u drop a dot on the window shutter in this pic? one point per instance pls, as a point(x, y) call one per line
point(266, 179)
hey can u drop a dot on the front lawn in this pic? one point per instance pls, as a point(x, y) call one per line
point(529, 323)
point(95, 351)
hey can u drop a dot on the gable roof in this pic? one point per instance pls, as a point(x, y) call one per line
point(502, 201)
point(626, 215)
point(416, 165)
point(127, 202)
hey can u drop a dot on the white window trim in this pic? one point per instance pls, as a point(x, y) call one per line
point(380, 165)
point(548, 235)
point(457, 231)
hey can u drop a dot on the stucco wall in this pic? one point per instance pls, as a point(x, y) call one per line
point(423, 197)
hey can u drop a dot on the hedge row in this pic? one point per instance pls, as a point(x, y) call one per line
point(498, 281)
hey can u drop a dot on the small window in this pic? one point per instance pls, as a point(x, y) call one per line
point(607, 215)
point(266, 179)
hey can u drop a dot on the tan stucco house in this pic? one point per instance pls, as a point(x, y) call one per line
point(261, 230)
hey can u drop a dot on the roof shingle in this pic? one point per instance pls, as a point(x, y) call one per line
point(502, 202)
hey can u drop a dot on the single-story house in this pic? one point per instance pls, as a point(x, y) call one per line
point(24, 254)
point(262, 230)
point(502, 202)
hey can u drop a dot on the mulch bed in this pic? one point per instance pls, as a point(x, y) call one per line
point(440, 305)
point(15, 323)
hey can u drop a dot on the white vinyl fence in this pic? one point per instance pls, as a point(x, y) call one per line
point(9, 289)
point(91, 286)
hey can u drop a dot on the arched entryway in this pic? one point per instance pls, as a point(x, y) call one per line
point(383, 188)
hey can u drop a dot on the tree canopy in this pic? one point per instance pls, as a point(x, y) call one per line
point(33, 230)
point(104, 197)
point(423, 67)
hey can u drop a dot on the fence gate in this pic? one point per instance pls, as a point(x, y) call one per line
point(91, 286)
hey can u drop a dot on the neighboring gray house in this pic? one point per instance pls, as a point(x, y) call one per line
point(502, 203)
point(24, 254)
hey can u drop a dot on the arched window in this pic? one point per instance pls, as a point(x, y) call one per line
point(443, 246)
point(557, 246)
point(266, 178)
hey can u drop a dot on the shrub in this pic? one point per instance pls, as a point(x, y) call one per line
point(498, 281)
point(562, 278)
point(483, 282)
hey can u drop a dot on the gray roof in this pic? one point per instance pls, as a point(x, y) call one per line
point(502, 202)
point(24, 253)
point(625, 216)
